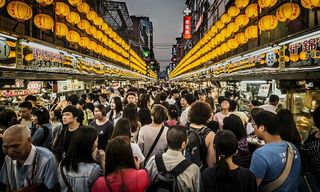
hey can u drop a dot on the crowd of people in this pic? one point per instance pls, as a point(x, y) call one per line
point(155, 139)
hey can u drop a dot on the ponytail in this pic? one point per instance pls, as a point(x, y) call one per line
point(222, 173)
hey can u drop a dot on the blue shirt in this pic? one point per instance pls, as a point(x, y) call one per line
point(268, 162)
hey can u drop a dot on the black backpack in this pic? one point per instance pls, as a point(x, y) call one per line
point(166, 181)
point(196, 150)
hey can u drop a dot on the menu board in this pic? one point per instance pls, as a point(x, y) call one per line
point(70, 85)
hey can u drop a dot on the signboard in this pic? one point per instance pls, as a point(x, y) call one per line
point(4, 50)
point(70, 85)
point(264, 90)
point(187, 27)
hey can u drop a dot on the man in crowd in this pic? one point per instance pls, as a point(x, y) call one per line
point(272, 106)
point(174, 96)
point(25, 109)
point(27, 167)
point(190, 98)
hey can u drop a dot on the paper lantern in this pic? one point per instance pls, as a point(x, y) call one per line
point(252, 10)
point(251, 32)
point(91, 16)
point(225, 18)
point(2, 3)
point(61, 29)
point(43, 21)
point(92, 30)
point(241, 38)
point(19, 10)
point(92, 45)
point(29, 57)
point(233, 27)
point(84, 24)
point(84, 42)
point(83, 8)
point(45, 2)
point(62, 9)
point(294, 57)
point(242, 20)
point(73, 18)
point(219, 25)
point(225, 48)
point(268, 23)
point(286, 59)
point(310, 4)
point(233, 44)
point(241, 3)
point(303, 56)
point(233, 11)
point(267, 3)
point(288, 12)
point(98, 35)
point(98, 21)
point(73, 36)
point(74, 2)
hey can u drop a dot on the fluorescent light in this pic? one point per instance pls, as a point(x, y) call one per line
point(8, 36)
point(253, 81)
point(235, 59)
point(261, 51)
point(301, 38)
point(44, 47)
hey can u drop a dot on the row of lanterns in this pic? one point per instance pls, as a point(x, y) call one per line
point(202, 52)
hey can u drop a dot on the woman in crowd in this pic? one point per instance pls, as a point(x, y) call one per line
point(78, 170)
point(121, 169)
point(103, 126)
point(235, 125)
point(227, 176)
point(173, 116)
point(116, 111)
point(144, 112)
point(55, 121)
point(41, 128)
point(131, 113)
point(218, 117)
point(288, 128)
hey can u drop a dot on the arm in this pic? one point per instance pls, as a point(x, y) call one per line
point(211, 153)
point(258, 181)
point(37, 137)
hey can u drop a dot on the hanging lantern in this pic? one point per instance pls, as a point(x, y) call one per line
point(104, 27)
point(43, 21)
point(29, 57)
point(84, 24)
point(226, 33)
point(252, 32)
point(233, 11)
point(233, 27)
point(84, 42)
point(233, 44)
point(19, 10)
point(74, 2)
point(303, 56)
point(83, 8)
point(266, 3)
point(294, 57)
point(310, 4)
point(241, 38)
point(98, 50)
point(92, 30)
point(2, 3)
point(73, 18)
point(98, 21)
point(241, 3)
point(61, 29)
point(62, 9)
point(252, 10)
point(45, 2)
point(268, 23)
point(288, 12)
point(242, 20)
point(225, 48)
point(219, 25)
point(99, 35)
point(73, 36)
point(225, 18)
point(91, 15)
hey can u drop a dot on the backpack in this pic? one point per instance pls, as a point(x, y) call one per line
point(167, 125)
point(166, 181)
point(196, 150)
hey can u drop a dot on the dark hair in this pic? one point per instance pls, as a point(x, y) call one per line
point(125, 102)
point(26, 104)
point(122, 128)
point(121, 91)
point(256, 102)
point(223, 98)
point(142, 91)
point(119, 155)
point(174, 91)
point(274, 99)
point(8, 118)
point(173, 111)
point(118, 103)
point(210, 101)
point(73, 99)
point(102, 109)
point(89, 106)
point(233, 105)
point(269, 120)
point(84, 96)
point(288, 129)
point(234, 124)
point(163, 96)
point(159, 113)
point(80, 149)
point(226, 145)
point(81, 102)
point(176, 135)
point(189, 97)
point(57, 114)
point(316, 117)
point(131, 112)
point(30, 98)
point(199, 113)
point(143, 101)
point(103, 95)
point(75, 112)
point(42, 115)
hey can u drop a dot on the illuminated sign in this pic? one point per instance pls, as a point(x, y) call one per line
point(187, 27)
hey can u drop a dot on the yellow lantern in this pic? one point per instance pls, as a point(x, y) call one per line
point(241, 3)
point(73, 36)
point(45, 2)
point(92, 30)
point(92, 15)
point(288, 11)
point(310, 4)
point(225, 18)
point(233, 27)
point(61, 29)
point(219, 25)
point(98, 21)
point(73, 18)
point(104, 27)
point(242, 20)
point(233, 11)
point(29, 57)
point(98, 35)
point(43, 21)
point(241, 38)
point(19, 10)
point(83, 8)
point(62, 9)
point(226, 33)
point(251, 32)
point(84, 24)
point(2, 3)
point(286, 59)
point(74, 2)
point(303, 56)
point(294, 57)
point(233, 44)
point(252, 10)
point(267, 3)
point(92, 45)
point(225, 48)
point(84, 42)
point(268, 23)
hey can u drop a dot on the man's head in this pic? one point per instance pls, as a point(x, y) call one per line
point(177, 138)
point(103, 98)
point(174, 94)
point(32, 99)
point(17, 142)
point(71, 114)
point(264, 123)
point(190, 98)
point(159, 113)
point(273, 100)
point(199, 113)
point(131, 97)
point(233, 105)
point(25, 109)
point(202, 95)
point(163, 96)
point(224, 102)
point(73, 99)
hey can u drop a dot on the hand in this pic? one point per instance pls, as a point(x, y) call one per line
point(99, 156)
point(137, 161)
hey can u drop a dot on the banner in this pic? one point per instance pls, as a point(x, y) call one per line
point(187, 27)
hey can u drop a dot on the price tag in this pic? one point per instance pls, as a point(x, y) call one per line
point(4, 50)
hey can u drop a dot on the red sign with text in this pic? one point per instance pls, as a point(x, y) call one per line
point(187, 27)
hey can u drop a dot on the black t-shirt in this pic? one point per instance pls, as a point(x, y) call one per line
point(67, 139)
point(104, 133)
point(144, 116)
point(242, 181)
